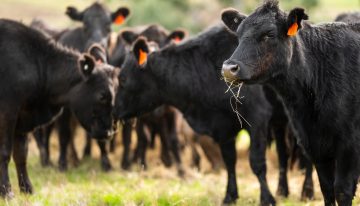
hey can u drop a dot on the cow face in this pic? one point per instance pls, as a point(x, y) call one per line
point(153, 33)
point(138, 89)
point(265, 37)
point(92, 101)
point(157, 34)
point(97, 22)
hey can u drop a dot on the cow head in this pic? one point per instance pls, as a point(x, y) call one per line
point(97, 22)
point(93, 99)
point(265, 37)
point(139, 92)
point(153, 33)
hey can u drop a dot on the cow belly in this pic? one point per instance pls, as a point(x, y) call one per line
point(30, 119)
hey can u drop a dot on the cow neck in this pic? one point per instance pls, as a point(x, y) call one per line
point(179, 82)
point(304, 84)
point(62, 76)
point(189, 74)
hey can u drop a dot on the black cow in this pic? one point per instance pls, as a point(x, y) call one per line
point(96, 28)
point(315, 69)
point(38, 78)
point(42, 26)
point(348, 17)
point(162, 120)
point(187, 76)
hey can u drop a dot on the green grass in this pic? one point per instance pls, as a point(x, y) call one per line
point(88, 185)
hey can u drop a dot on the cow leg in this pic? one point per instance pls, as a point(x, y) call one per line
point(20, 150)
point(152, 139)
point(211, 152)
point(346, 176)
point(283, 188)
point(87, 148)
point(194, 152)
point(142, 143)
point(308, 186)
point(165, 141)
point(126, 135)
point(72, 154)
point(65, 136)
point(47, 132)
point(7, 127)
point(258, 164)
point(42, 137)
point(228, 153)
point(113, 144)
point(326, 174)
point(105, 162)
point(170, 127)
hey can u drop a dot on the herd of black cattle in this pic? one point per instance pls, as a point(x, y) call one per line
point(270, 72)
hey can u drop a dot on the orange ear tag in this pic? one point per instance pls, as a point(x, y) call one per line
point(142, 57)
point(292, 29)
point(119, 20)
point(177, 39)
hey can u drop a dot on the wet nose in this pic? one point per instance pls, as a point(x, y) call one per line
point(230, 71)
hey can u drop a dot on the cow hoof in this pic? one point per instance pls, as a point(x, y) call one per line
point(166, 160)
point(307, 193)
point(125, 165)
point(268, 200)
point(181, 171)
point(5, 192)
point(282, 191)
point(26, 188)
point(105, 164)
point(143, 166)
point(46, 163)
point(230, 199)
point(62, 167)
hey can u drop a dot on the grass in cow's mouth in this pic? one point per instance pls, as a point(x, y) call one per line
point(235, 99)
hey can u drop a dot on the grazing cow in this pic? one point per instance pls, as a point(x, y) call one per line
point(315, 69)
point(162, 120)
point(39, 77)
point(96, 28)
point(187, 76)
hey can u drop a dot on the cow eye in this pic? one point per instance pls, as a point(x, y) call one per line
point(267, 36)
point(103, 98)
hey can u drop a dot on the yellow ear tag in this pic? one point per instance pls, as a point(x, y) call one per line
point(119, 20)
point(142, 57)
point(292, 29)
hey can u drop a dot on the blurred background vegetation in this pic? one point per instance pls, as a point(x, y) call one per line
point(193, 15)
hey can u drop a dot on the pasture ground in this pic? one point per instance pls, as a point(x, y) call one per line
point(88, 185)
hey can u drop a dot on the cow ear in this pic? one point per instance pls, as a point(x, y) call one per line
point(141, 51)
point(129, 36)
point(177, 35)
point(118, 17)
point(232, 18)
point(98, 53)
point(74, 14)
point(294, 20)
point(86, 64)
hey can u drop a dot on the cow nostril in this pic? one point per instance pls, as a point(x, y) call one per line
point(234, 69)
